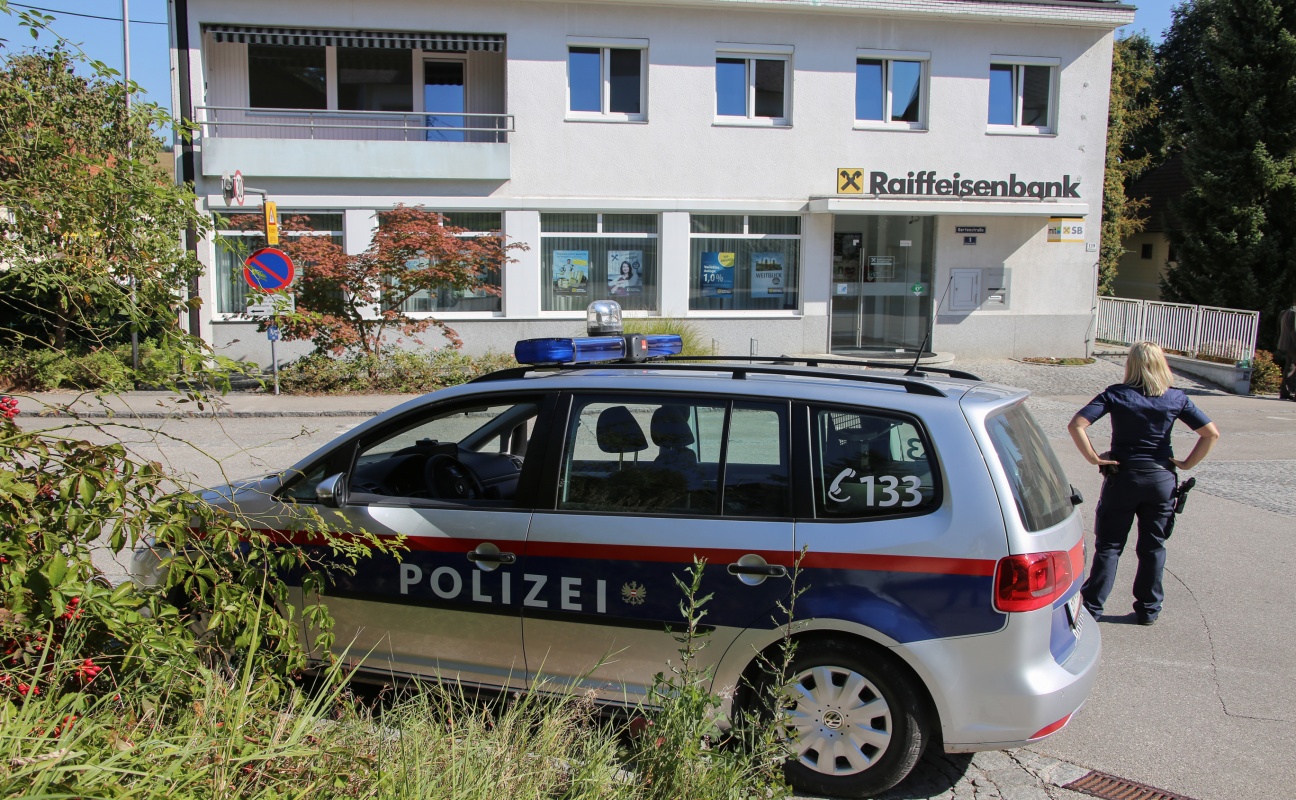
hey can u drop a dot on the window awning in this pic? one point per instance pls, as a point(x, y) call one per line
point(398, 40)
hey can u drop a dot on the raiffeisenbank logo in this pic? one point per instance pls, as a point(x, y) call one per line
point(929, 183)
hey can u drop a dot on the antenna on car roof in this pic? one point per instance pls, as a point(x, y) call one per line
point(913, 368)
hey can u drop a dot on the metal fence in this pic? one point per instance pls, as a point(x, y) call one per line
point(290, 123)
point(1215, 334)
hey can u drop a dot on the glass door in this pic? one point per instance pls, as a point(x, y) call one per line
point(445, 97)
point(881, 283)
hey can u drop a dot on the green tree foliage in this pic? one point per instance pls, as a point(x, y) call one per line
point(1132, 109)
point(90, 231)
point(1237, 102)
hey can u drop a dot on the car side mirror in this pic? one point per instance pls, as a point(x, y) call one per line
point(1076, 497)
point(332, 491)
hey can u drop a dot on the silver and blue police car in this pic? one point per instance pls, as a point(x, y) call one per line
point(548, 509)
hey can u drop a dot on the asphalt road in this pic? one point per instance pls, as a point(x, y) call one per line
point(1200, 704)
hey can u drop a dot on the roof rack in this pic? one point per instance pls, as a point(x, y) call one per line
point(740, 371)
point(814, 361)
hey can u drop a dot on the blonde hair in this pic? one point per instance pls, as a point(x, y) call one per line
point(1146, 369)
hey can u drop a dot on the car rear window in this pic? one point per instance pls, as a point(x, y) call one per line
point(1038, 486)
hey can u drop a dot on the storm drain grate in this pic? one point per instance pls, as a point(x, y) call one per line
point(1110, 787)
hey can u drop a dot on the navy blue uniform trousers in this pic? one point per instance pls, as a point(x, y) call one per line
point(1145, 494)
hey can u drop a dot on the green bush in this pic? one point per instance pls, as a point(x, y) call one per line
point(396, 372)
point(110, 369)
point(1266, 374)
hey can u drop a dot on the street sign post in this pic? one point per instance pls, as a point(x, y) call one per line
point(270, 270)
point(272, 333)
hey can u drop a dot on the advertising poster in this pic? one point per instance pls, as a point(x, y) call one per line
point(625, 273)
point(767, 275)
point(881, 268)
point(718, 274)
point(571, 272)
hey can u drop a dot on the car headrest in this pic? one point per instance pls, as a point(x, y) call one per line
point(670, 427)
point(618, 432)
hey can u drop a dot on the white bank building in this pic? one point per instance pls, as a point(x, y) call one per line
point(792, 176)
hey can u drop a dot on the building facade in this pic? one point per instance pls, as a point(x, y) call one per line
point(791, 176)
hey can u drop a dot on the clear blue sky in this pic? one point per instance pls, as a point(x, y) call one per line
point(150, 63)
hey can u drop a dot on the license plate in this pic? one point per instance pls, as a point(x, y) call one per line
point(1073, 612)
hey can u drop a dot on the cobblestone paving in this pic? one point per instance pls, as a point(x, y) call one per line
point(1089, 379)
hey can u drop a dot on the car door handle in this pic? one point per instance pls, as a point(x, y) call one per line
point(762, 570)
point(491, 558)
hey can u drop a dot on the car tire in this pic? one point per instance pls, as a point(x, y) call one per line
point(856, 719)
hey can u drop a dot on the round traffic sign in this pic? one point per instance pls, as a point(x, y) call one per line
point(268, 270)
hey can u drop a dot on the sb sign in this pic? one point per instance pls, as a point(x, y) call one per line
point(268, 270)
point(1066, 229)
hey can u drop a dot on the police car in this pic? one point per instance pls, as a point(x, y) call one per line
point(548, 509)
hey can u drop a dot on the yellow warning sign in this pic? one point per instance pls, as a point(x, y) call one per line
point(850, 180)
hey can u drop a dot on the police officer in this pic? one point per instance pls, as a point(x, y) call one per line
point(1140, 474)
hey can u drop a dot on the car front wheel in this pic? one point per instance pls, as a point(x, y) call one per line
point(855, 719)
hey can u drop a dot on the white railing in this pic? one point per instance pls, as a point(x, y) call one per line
point(1195, 331)
point(220, 122)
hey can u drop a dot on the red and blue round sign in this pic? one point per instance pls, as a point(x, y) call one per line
point(268, 270)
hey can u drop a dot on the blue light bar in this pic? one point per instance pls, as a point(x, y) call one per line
point(569, 351)
point(663, 345)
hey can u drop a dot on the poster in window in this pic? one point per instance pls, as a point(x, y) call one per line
point(767, 274)
point(718, 274)
point(571, 272)
point(625, 273)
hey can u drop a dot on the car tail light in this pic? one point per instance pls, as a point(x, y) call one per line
point(1031, 581)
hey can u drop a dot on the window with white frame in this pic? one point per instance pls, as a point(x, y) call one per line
point(1023, 94)
point(448, 298)
point(744, 263)
point(891, 89)
point(606, 79)
point(589, 256)
point(753, 85)
point(238, 235)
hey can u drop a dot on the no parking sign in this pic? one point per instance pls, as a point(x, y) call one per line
point(268, 270)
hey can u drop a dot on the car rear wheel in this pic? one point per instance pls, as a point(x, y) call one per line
point(855, 718)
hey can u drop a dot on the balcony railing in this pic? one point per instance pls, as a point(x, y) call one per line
point(230, 122)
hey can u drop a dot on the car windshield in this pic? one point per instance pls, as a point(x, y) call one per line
point(1038, 486)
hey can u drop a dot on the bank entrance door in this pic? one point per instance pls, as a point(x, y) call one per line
point(881, 282)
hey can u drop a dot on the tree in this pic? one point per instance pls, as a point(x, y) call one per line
point(90, 234)
point(1132, 109)
point(354, 302)
point(1237, 235)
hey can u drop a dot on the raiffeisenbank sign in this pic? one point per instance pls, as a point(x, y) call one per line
point(930, 183)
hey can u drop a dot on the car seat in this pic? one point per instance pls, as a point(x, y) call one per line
point(672, 435)
point(618, 432)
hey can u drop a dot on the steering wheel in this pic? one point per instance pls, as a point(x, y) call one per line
point(447, 478)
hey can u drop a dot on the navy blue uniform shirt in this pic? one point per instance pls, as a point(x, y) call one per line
point(1141, 424)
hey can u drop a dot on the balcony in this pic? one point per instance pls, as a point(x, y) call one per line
point(297, 143)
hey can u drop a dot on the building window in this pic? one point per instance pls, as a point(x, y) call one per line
point(375, 79)
point(587, 257)
point(1021, 95)
point(448, 298)
point(605, 79)
point(753, 88)
point(890, 89)
point(237, 236)
point(744, 263)
point(287, 76)
point(1145, 251)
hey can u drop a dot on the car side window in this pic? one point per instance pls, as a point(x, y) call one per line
point(670, 456)
point(470, 455)
point(869, 464)
point(303, 486)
